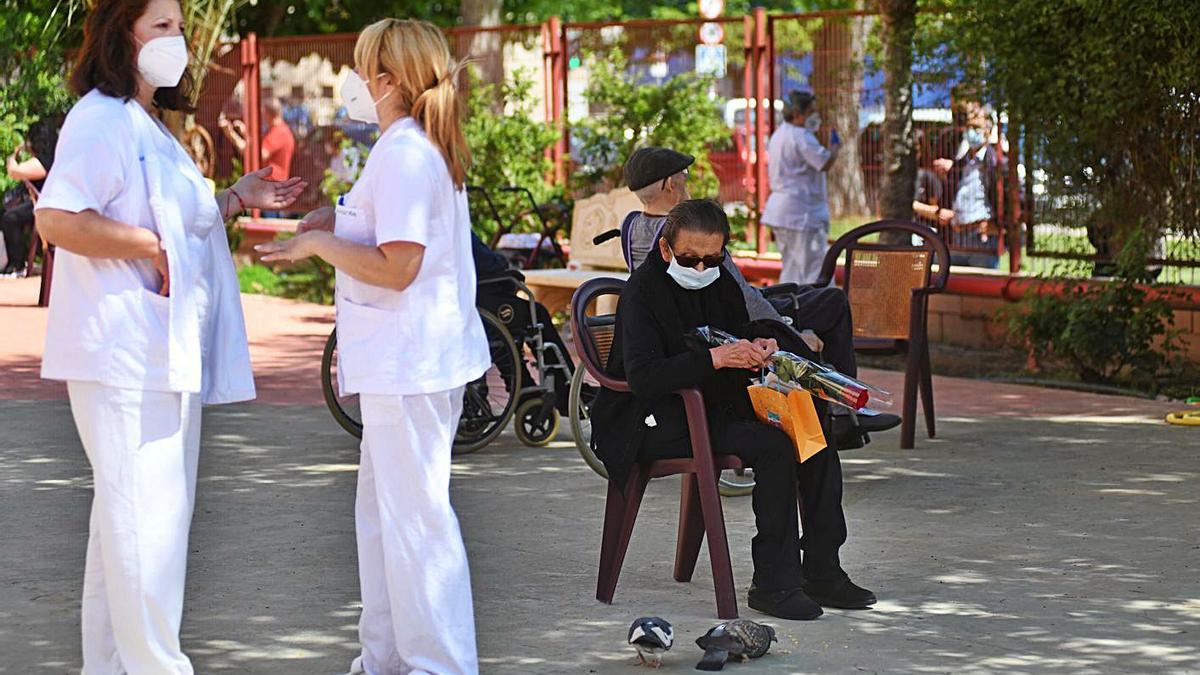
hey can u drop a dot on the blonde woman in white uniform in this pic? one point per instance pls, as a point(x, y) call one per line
point(145, 323)
point(409, 339)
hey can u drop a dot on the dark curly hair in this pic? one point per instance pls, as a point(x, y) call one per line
point(108, 58)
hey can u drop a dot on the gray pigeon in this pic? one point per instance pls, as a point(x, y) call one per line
point(740, 638)
point(651, 637)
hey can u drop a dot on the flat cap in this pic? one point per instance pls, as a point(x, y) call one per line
point(651, 164)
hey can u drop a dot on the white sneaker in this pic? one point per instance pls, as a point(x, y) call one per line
point(356, 666)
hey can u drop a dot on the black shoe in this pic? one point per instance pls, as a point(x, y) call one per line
point(791, 604)
point(840, 594)
point(847, 435)
point(880, 422)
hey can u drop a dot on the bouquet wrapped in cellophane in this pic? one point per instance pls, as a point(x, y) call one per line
point(792, 371)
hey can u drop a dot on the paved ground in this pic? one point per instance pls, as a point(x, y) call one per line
point(1042, 531)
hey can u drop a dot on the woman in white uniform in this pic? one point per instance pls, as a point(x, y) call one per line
point(144, 325)
point(409, 339)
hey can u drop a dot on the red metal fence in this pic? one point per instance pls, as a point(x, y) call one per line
point(768, 56)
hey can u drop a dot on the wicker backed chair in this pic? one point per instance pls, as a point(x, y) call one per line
point(888, 287)
point(699, 500)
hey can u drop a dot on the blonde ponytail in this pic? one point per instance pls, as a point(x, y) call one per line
point(415, 54)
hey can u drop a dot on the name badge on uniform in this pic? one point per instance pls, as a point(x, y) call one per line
point(347, 212)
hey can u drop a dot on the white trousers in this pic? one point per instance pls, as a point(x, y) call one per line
point(416, 587)
point(143, 447)
point(803, 253)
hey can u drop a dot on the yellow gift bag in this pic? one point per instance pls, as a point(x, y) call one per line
point(794, 413)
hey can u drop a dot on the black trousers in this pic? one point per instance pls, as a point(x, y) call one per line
point(513, 312)
point(826, 312)
point(15, 223)
point(777, 545)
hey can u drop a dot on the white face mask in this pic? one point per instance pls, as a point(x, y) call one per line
point(357, 99)
point(161, 61)
point(689, 278)
point(813, 122)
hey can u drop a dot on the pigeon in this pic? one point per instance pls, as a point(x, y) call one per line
point(651, 636)
point(741, 638)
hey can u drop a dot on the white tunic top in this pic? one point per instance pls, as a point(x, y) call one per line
point(798, 199)
point(428, 337)
point(107, 323)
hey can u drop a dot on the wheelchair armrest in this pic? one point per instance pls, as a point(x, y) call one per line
point(776, 290)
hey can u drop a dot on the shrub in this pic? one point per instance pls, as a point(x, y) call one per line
point(1106, 332)
point(508, 147)
point(679, 113)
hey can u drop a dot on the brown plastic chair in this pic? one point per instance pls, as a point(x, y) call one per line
point(699, 501)
point(36, 243)
point(889, 288)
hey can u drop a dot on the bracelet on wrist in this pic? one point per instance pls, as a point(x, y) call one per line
point(241, 202)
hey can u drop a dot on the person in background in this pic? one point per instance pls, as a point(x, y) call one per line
point(798, 209)
point(819, 321)
point(929, 196)
point(683, 285)
point(278, 142)
point(977, 165)
point(16, 223)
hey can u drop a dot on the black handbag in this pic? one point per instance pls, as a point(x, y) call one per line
point(15, 196)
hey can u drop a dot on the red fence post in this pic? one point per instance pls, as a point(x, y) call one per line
point(251, 102)
point(1014, 197)
point(551, 62)
point(747, 153)
point(558, 74)
point(761, 89)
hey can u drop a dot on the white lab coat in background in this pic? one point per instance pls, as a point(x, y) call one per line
point(409, 354)
point(138, 366)
point(797, 209)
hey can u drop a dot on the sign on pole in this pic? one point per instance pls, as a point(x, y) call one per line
point(711, 9)
point(712, 33)
point(710, 60)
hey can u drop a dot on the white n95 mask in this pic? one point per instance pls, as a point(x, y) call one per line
point(813, 122)
point(357, 99)
point(161, 61)
point(689, 278)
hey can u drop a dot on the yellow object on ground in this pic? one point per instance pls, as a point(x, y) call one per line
point(1187, 418)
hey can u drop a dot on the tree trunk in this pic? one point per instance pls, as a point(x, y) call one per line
point(838, 48)
point(487, 48)
point(899, 162)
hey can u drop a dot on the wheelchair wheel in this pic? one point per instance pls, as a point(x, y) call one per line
point(489, 402)
point(533, 428)
point(581, 424)
point(345, 409)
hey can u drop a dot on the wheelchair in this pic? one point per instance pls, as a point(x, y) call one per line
point(733, 483)
point(491, 401)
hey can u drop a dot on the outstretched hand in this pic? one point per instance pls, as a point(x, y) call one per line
point(298, 247)
point(258, 191)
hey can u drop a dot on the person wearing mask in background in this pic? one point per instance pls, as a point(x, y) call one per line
point(278, 142)
point(16, 223)
point(145, 322)
point(976, 164)
point(820, 319)
point(409, 340)
point(797, 211)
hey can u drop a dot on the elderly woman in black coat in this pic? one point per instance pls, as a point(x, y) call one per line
point(673, 292)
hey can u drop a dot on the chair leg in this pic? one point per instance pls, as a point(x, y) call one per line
point(616, 539)
point(691, 529)
point(912, 376)
point(718, 549)
point(927, 391)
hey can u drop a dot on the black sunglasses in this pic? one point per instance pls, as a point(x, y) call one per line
point(710, 261)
